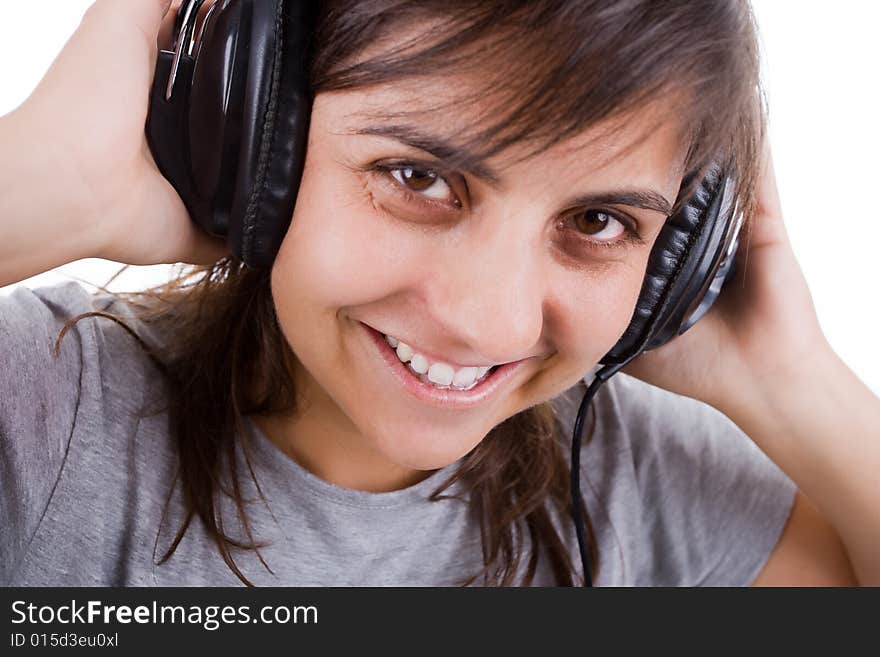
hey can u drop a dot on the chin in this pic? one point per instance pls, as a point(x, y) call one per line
point(421, 450)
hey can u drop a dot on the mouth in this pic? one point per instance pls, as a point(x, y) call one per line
point(489, 387)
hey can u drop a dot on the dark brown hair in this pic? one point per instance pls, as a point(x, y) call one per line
point(551, 69)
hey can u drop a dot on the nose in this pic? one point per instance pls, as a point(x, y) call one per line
point(486, 300)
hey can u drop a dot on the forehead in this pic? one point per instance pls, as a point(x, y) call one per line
point(462, 91)
point(647, 143)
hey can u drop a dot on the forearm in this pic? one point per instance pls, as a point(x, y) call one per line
point(44, 222)
point(821, 425)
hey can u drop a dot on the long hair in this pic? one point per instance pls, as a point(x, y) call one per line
point(552, 69)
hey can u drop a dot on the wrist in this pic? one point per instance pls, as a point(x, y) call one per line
point(771, 403)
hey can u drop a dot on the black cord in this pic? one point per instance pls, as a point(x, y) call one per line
point(576, 508)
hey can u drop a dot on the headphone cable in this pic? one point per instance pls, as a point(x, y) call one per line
point(576, 503)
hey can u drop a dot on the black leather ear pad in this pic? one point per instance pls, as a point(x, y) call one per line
point(275, 113)
point(683, 261)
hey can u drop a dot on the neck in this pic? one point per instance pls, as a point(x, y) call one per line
point(321, 440)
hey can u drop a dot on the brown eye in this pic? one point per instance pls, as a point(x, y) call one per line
point(425, 182)
point(417, 180)
point(595, 222)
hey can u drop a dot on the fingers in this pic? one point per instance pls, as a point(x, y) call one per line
point(166, 31)
point(111, 21)
point(767, 226)
point(165, 40)
point(206, 250)
point(176, 238)
point(146, 14)
point(768, 191)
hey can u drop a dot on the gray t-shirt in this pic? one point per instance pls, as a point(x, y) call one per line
point(676, 493)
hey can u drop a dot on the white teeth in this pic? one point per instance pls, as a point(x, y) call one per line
point(404, 353)
point(442, 375)
point(419, 363)
point(465, 377)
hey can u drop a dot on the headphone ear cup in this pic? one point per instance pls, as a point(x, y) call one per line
point(709, 264)
point(681, 267)
point(194, 135)
point(214, 119)
point(232, 137)
point(166, 130)
point(275, 113)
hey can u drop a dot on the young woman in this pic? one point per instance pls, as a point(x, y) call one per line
point(244, 426)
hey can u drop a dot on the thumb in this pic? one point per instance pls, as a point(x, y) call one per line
point(146, 14)
point(187, 242)
point(107, 22)
point(200, 248)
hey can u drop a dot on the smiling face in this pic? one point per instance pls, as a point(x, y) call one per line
point(523, 260)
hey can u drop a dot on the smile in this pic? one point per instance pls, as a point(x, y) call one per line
point(435, 383)
point(442, 375)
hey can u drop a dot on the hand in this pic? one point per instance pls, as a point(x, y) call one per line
point(762, 330)
point(87, 118)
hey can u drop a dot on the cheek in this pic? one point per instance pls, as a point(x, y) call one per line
point(335, 251)
point(623, 304)
point(599, 306)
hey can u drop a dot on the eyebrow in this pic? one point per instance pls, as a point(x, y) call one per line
point(444, 151)
point(440, 148)
point(647, 199)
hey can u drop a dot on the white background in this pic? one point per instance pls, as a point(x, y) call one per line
point(821, 73)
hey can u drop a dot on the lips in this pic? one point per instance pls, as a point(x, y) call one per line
point(398, 373)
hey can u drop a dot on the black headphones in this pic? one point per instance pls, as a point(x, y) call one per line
point(228, 127)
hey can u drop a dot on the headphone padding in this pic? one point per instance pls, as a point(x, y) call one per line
point(275, 120)
point(678, 250)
